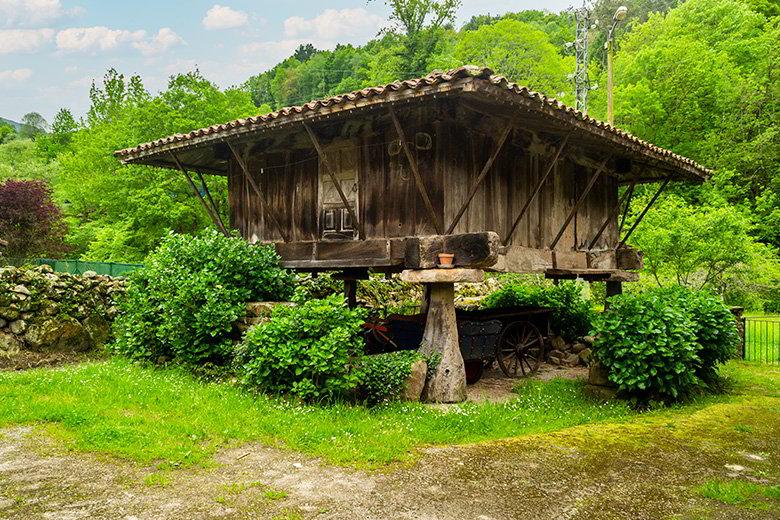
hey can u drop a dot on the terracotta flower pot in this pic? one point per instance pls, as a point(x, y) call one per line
point(445, 260)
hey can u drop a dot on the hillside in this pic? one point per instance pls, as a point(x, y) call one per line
point(17, 126)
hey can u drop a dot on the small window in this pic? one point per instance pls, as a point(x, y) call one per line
point(346, 220)
point(329, 220)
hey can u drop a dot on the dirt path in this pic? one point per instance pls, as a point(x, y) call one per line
point(640, 470)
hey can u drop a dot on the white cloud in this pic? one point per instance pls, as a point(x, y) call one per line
point(97, 38)
point(15, 75)
point(164, 40)
point(29, 12)
point(350, 24)
point(223, 17)
point(23, 40)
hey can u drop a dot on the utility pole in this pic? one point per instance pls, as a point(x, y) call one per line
point(618, 17)
point(581, 80)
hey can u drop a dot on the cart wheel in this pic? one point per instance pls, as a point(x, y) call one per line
point(520, 349)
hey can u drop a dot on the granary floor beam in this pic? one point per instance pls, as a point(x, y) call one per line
point(625, 199)
point(537, 189)
point(211, 199)
point(245, 169)
point(579, 202)
point(644, 211)
point(212, 212)
point(480, 177)
point(415, 171)
point(332, 173)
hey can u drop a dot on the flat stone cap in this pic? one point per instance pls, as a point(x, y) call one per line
point(443, 275)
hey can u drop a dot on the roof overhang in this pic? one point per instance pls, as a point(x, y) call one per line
point(205, 149)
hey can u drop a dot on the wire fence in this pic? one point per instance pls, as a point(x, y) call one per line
point(762, 339)
point(75, 266)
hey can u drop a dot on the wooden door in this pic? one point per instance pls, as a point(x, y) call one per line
point(335, 222)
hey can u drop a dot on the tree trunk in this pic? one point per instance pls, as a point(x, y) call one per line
point(448, 382)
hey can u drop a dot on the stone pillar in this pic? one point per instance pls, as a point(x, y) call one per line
point(447, 384)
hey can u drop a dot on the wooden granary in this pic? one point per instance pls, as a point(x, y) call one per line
point(463, 162)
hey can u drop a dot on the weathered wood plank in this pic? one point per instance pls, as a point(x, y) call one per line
point(470, 250)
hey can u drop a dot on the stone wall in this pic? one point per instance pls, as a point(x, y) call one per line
point(44, 312)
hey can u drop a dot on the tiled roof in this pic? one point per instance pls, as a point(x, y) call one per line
point(344, 101)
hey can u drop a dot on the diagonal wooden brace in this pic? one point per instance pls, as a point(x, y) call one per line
point(480, 178)
point(625, 199)
point(579, 202)
point(537, 189)
point(253, 183)
point(644, 212)
point(331, 172)
point(415, 171)
point(212, 212)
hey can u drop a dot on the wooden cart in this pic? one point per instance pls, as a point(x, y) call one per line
point(512, 337)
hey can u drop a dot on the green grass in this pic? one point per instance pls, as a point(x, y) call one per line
point(738, 492)
point(169, 418)
point(762, 339)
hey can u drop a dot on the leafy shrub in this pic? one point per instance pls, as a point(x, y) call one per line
point(309, 351)
point(648, 345)
point(663, 342)
point(572, 314)
point(182, 304)
point(714, 327)
point(382, 376)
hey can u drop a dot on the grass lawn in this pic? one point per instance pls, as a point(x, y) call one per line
point(169, 418)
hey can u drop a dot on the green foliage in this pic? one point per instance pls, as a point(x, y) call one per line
point(33, 124)
point(383, 376)
point(519, 51)
point(19, 159)
point(308, 351)
point(182, 304)
point(572, 314)
point(665, 342)
point(648, 345)
point(7, 132)
point(120, 213)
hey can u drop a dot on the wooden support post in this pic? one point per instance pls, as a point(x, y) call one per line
point(613, 289)
point(480, 178)
point(537, 189)
point(644, 212)
point(579, 202)
point(253, 183)
point(211, 201)
point(448, 382)
point(212, 213)
point(331, 172)
point(415, 171)
point(626, 198)
point(350, 292)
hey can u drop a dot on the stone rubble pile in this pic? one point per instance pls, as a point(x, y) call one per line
point(578, 353)
point(44, 311)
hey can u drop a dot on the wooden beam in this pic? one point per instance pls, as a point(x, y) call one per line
point(579, 202)
point(480, 177)
point(211, 200)
point(214, 217)
point(644, 212)
point(613, 214)
point(474, 250)
point(259, 193)
point(537, 189)
point(415, 171)
point(336, 182)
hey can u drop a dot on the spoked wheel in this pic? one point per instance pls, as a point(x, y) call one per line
point(520, 349)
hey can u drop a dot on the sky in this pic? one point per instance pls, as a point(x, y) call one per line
point(52, 50)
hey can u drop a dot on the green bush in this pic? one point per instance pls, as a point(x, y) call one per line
point(664, 342)
point(647, 344)
point(572, 314)
point(309, 351)
point(181, 306)
point(382, 376)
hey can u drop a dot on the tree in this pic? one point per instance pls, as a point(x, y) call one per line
point(519, 51)
point(120, 213)
point(7, 132)
point(304, 52)
point(30, 221)
point(33, 124)
point(705, 246)
point(422, 23)
point(62, 128)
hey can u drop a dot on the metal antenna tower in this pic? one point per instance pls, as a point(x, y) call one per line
point(581, 80)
